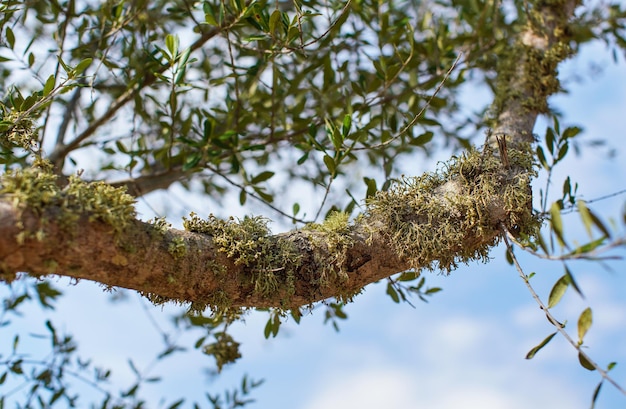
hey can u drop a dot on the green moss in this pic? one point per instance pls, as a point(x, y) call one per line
point(539, 78)
point(268, 261)
point(177, 247)
point(18, 130)
point(36, 188)
point(433, 224)
point(337, 239)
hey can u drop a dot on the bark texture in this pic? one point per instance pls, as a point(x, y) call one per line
point(433, 221)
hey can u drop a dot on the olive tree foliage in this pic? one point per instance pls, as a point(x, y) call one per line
point(106, 102)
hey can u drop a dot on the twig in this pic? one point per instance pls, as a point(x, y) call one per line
point(419, 114)
point(271, 206)
point(559, 327)
point(122, 100)
point(572, 256)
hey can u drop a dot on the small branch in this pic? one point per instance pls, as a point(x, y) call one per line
point(593, 255)
point(144, 184)
point(604, 374)
point(59, 154)
point(421, 112)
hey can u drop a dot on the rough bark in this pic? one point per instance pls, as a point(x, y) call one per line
point(434, 221)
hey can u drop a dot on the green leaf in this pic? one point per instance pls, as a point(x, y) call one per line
point(584, 362)
point(262, 177)
point(596, 393)
point(542, 344)
point(296, 314)
point(558, 290)
point(49, 85)
point(330, 165)
point(275, 18)
point(81, 67)
point(585, 215)
point(176, 404)
point(192, 160)
point(243, 195)
point(171, 43)
point(589, 247)
point(10, 37)
point(542, 158)
point(599, 224)
point(371, 187)
point(422, 139)
point(557, 126)
point(557, 222)
point(408, 276)
point(571, 132)
point(347, 124)
point(333, 134)
point(573, 281)
point(393, 293)
point(584, 323)
point(550, 138)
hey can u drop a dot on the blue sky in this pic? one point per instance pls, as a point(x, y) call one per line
point(463, 349)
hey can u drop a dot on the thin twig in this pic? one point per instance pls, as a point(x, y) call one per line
point(271, 206)
point(130, 93)
point(419, 114)
point(559, 327)
point(591, 255)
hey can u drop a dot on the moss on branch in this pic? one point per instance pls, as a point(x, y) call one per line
point(440, 219)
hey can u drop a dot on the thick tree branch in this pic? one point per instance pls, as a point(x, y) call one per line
point(89, 231)
point(433, 221)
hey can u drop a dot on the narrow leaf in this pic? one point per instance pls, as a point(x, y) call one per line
point(536, 349)
point(10, 37)
point(596, 393)
point(49, 85)
point(584, 362)
point(82, 66)
point(571, 132)
point(422, 139)
point(557, 222)
point(262, 177)
point(558, 290)
point(347, 124)
point(573, 281)
point(393, 293)
point(171, 42)
point(599, 224)
point(330, 164)
point(584, 323)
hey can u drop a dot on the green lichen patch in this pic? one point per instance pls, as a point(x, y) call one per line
point(177, 247)
point(270, 262)
point(527, 72)
point(453, 216)
point(336, 238)
point(17, 130)
point(36, 188)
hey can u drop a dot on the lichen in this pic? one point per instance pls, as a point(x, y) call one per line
point(336, 238)
point(177, 247)
point(269, 262)
point(528, 72)
point(36, 188)
point(438, 220)
point(17, 130)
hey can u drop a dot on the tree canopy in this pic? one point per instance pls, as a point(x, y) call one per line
point(106, 103)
